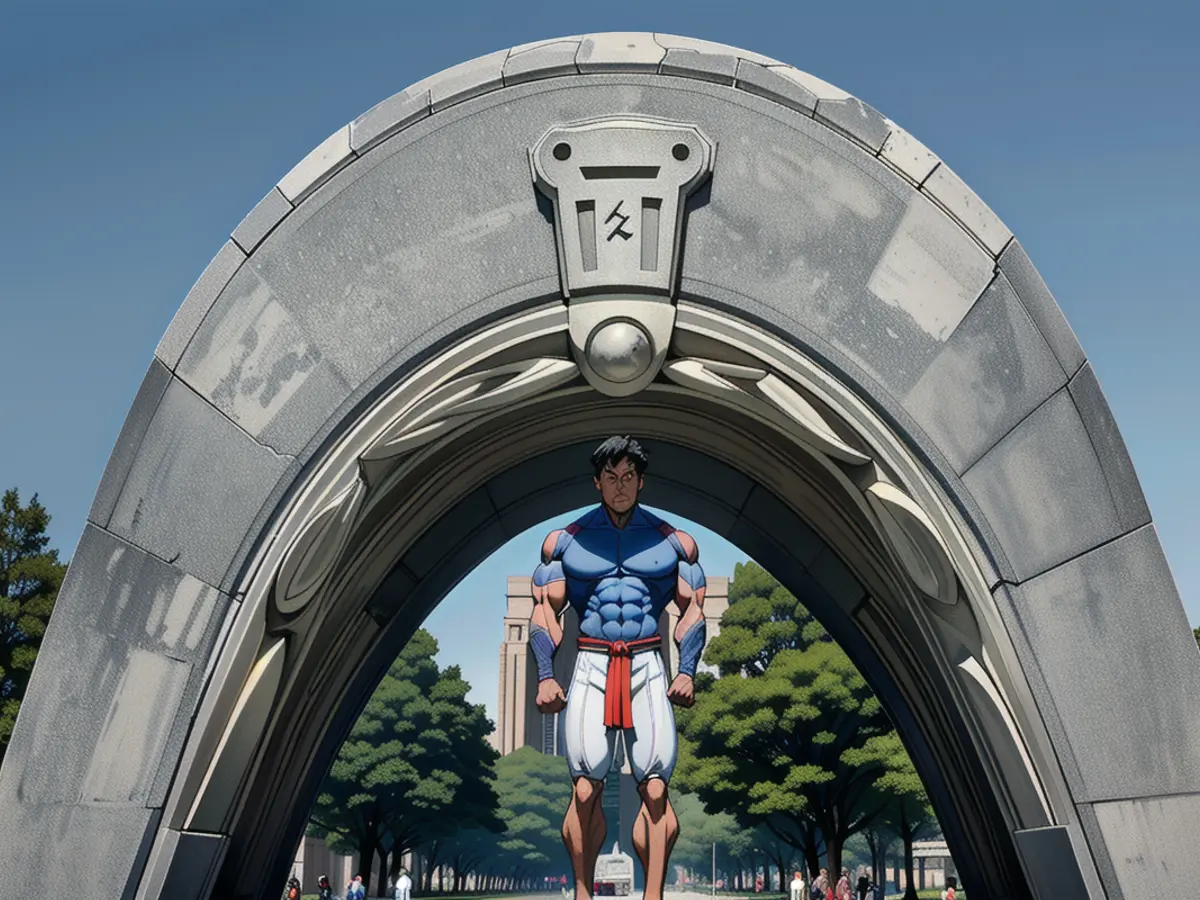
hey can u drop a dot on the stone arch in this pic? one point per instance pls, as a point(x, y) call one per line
point(849, 338)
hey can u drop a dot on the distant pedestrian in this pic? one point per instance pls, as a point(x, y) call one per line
point(293, 889)
point(355, 889)
point(864, 885)
point(797, 892)
point(324, 888)
point(403, 886)
point(843, 886)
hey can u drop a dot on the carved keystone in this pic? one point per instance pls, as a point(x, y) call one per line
point(619, 187)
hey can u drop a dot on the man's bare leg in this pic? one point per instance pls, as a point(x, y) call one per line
point(583, 833)
point(654, 834)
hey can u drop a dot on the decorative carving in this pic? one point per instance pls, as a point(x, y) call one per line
point(316, 549)
point(916, 541)
point(760, 391)
point(618, 186)
point(238, 743)
point(453, 403)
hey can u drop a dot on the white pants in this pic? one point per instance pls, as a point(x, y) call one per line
point(651, 745)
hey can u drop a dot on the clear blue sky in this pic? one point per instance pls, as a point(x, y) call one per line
point(135, 136)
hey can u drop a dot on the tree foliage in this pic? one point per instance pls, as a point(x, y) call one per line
point(416, 766)
point(791, 736)
point(30, 577)
point(534, 791)
point(906, 810)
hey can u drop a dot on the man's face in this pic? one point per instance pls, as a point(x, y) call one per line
point(619, 484)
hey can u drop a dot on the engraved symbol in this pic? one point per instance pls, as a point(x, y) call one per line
point(618, 231)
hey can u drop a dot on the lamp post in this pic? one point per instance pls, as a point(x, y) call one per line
point(714, 869)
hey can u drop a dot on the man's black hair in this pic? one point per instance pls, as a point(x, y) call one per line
point(618, 448)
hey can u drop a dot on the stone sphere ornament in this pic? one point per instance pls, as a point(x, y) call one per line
point(619, 351)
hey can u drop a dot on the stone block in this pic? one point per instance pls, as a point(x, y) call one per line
point(619, 52)
point(97, 851)
point(253, 361)
point(472, 549)
point(194, 459)
point(318, 167)
point(964, 204)
point(557, 503)
point(391, 595)
point(545, 59)
point(995, 369)
point(1108, 632)
point(562, 465)
point(770, 516)
point(404, 246)
point(855, 119)
point(677, 499)
point(908, 155)
point(149, 394)
point(267, 213)
point(814, 228)
point(183, 866)
point(1097, 417)
point(1043, 491)
point(770, 82)
point(1028, 284)
point(721, 69)
point(839, 582)
point(679, 42)
point(695, 470)
point(120, 671)
point(197, 303)
point(388, 117)
point(1152, 844)
point(451, 530)
point(1051, 863)
point(466, 80)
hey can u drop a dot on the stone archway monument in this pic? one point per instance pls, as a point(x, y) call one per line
point(838, 356)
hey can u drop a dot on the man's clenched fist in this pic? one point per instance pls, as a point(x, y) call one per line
point(682, 691)
point(550, 697)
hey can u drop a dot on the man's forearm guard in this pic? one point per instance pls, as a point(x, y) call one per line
point(543, 651)
point(540, 642)
point(690, 648)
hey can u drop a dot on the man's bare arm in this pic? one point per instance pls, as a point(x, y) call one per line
point(691, 632)
point(549, 591)
point(545, 628)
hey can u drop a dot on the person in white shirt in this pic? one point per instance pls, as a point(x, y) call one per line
point(403, 886)
point(798, 888)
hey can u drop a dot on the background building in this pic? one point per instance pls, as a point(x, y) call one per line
point(520, 724)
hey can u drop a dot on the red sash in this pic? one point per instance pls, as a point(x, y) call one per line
point(618, 694)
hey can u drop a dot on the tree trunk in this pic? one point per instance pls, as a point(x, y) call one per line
point(812, 859)
point(366, 856)
point(779, 862)
point(906, 835)
point(381, 887)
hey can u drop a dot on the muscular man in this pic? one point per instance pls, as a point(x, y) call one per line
point(618, 566)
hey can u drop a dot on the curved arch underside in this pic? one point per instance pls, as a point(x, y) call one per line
point(825, 230)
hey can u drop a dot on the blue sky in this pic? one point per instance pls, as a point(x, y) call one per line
point(136, 136)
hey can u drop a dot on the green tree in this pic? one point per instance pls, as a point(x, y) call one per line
point(788, 736)
point(30, 576)
point(534, 790)
point(1196, 634)
point(701, 833)
point(907, 812)
point(416, 765)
